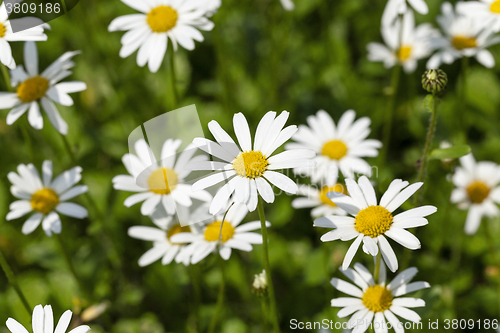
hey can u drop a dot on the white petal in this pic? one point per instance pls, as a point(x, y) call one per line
point(346, 288)
point(388, 254)
point(403, 196)
point(72, 209)
point(242, 131)
point(15, 327)
point(403, 237)
point(281, 181)
point(32, 223)
point(351, 252)
point(63, 323)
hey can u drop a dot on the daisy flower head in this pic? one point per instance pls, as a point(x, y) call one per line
point(487, 11)
point(45, 196)
point(159, 182)
point(372, 221)
point(477, 189)
point(43, 322)
point(34, 89)
point(8, 35)
point(394, 8)
point(166, 227)
point(374, 303)
point(159, 21)
point(250, 169)
point(227, 236)
point(404, 47)
point(465, 36)
point(338, 146)
point(315, 198)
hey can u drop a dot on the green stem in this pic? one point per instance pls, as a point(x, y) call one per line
point(267, 267)
point(69, 149)
point(428, 143)
point(6, 77)
point(12, 280)
point(71, 267)
point(64, 6)
point(173, 79)
point(396, 70)
point(376, 272)
point(264, 314)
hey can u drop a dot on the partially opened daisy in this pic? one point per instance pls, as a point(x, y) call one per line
point(250, 169)
point(487, 11)
point(230, 236)
point(43, 322)
point(159, 182)
point(477, 189)
point(159, 21)
point(372, 221)
point(34, 90)
point(404, 47)
point(338, 146)
point(45, 196)
point(394, 8)
point(465, 36)
point(373, 304)
point(8, 35)
point(167, 226)
point(315, 198)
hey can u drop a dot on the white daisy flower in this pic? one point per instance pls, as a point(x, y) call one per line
point(312, 197)
point(163, 247)
point(159, 182)
point(340, 146)
point(465, 36)
point(43, 322)
point(404, 46)
point(246, 170)
point(288, 4)
point(8, 35)
point(231, 236)
point(44, 89)
point(394, 8)
point(374, 303)
point(371, 222)
point(478, 190)
point(159, 21)
point(47, 198)
point(487, 11)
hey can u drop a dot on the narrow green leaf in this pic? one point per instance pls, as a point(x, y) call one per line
point(449, 153)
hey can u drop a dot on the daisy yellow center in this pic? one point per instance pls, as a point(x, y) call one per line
point(162, 181)
point(477, 192)
point(175, 230)
point(494, 8)
point(250, 164)
point(335, 149)
point(213, 230)
point(3, 29)
point(377, 298)
point(32, 89)
point(322, 194)
point(373, 221)
point(44, 200)
point(404, 53)
point(462, 42)
point(162, 18)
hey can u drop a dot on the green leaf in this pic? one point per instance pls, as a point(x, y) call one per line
point(428, 101)
point(449, 153)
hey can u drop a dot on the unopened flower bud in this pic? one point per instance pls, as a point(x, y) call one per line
point(434, 81)
point(259, 285)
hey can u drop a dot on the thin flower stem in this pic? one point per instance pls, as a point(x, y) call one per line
point(264, 314)
point(71, 267)
point(396, 71)
point(267, 267)
point(173, 79)
point(63, 2)
point(428, 143)
point(12, 280)
point(376, 272)
point(6, 77)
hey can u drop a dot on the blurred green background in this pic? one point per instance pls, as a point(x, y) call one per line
point(257, 58)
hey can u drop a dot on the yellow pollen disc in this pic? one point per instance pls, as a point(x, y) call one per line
point(32, 89)
point(495, 8)
point(250, 164)
point(162, 181)
point(2, 30)
point(175, 230)
point(44, 200)
point(377, 298)
point(337, 188)
point(462, 42)
point(162, 18)
point(477, 192)
point(404, 53)
point(213, 230)
point(334, 149)
point(373, 221)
